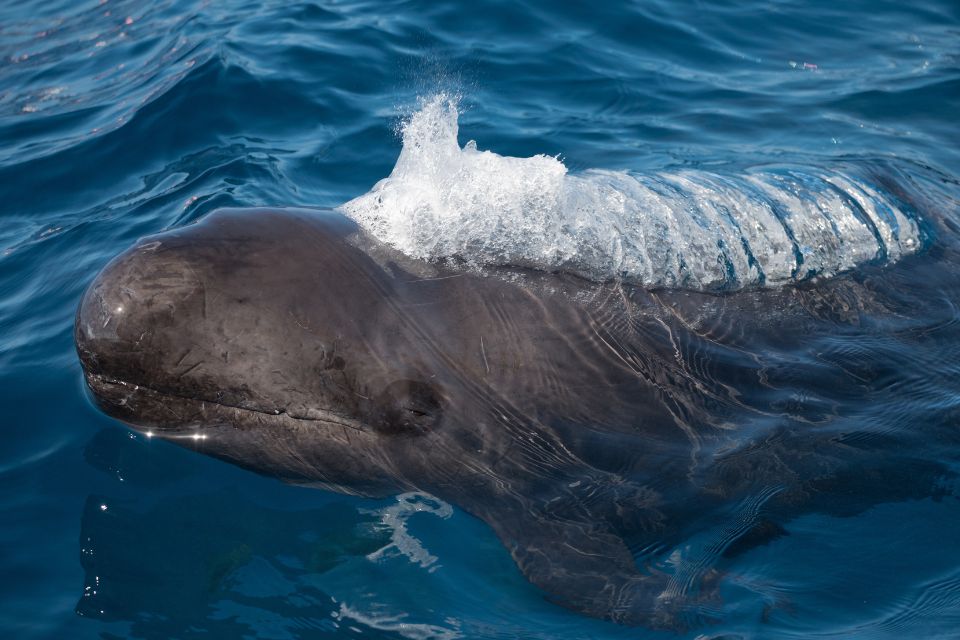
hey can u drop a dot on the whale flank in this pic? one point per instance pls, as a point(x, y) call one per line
point(686, 229)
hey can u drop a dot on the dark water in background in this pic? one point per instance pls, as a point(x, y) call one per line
point(119, 119)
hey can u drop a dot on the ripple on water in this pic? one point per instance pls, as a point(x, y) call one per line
point(120, 118)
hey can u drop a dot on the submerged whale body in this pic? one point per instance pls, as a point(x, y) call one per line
point(601, 366)
point(594, 426)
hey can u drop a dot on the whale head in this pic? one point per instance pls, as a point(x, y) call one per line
point(241, 335)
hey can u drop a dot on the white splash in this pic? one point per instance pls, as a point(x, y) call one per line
point(686, 229)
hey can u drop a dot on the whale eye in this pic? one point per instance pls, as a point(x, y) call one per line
point(407, 407)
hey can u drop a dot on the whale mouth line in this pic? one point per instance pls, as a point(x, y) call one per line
point(98, 382)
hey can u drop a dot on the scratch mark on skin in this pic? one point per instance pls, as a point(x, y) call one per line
point(170, 409)
point(203, 289)
point(191, 368)
point(181, 359)
point(483, 352)
point(299, 324)
point(458, 275)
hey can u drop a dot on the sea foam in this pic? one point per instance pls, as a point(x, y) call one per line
point(685, 229)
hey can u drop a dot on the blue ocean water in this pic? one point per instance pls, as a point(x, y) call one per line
point(121, 119)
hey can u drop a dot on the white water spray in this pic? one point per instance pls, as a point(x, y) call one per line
point(686, 229)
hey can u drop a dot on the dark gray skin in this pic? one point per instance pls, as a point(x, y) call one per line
point(592, 426)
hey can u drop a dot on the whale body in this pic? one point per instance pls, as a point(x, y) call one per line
point(593, 425)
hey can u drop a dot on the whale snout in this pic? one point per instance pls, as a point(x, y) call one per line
point(136, 295)
point(220, 323)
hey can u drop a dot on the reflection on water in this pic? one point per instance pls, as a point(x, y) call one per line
point(223, 555)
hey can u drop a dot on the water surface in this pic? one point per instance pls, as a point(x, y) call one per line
point(121, 119)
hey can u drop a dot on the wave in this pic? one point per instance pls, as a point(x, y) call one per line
point(687, 229)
